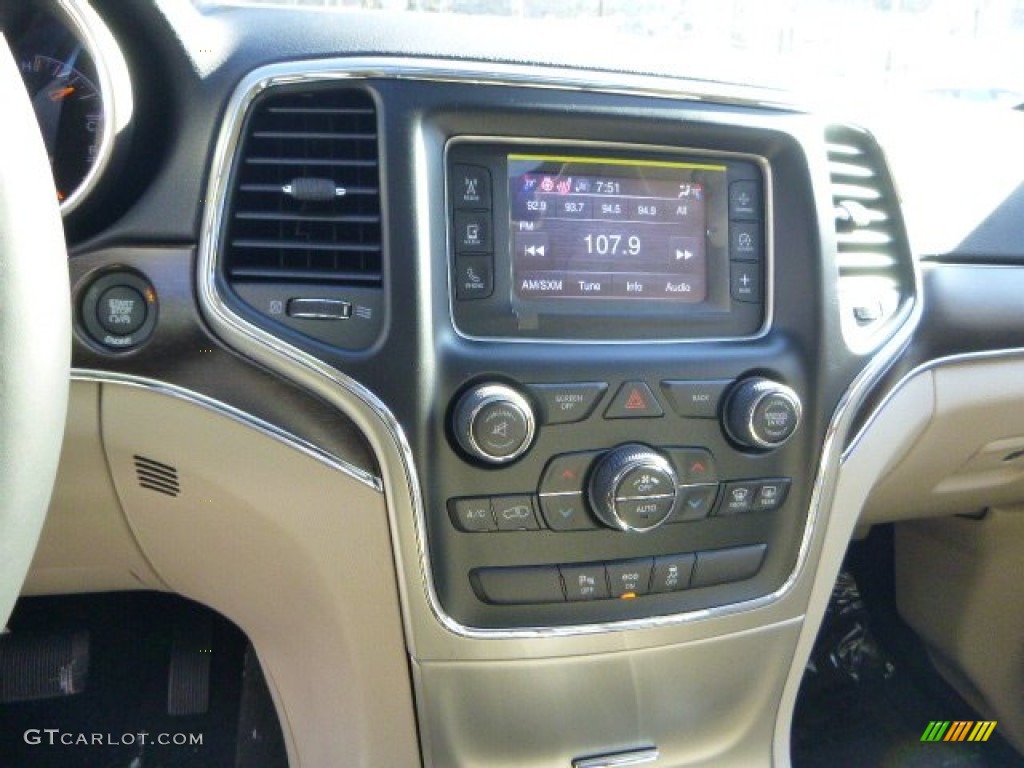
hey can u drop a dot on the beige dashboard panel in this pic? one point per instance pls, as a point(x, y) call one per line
point(971, 453)
point(86, 545)
point(708, 703)
point(958, 583)
point(295, 552)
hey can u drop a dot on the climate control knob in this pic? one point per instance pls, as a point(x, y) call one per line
point(633, 488)
point(761, 413)
point(494, 423)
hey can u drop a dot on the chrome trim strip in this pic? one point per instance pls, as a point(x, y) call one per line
point(115, 87)
point(768, 244)
point(246, 419)
point(619, 760)
point(369, 413)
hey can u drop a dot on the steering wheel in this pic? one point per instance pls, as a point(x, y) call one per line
point(35, 333)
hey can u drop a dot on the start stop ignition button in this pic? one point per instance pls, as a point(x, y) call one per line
point(119, 310)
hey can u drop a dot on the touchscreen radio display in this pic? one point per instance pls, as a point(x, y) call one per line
point(607, 228)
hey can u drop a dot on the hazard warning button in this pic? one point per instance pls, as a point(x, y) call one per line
point(634, 400)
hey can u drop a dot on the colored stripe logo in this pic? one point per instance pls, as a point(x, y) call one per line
point(958, 730)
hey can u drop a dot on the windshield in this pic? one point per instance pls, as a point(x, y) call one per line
point(961, 50)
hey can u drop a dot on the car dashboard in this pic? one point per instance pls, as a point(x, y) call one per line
point(518, 401)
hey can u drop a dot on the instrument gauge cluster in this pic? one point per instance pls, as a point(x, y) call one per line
point(80, 90)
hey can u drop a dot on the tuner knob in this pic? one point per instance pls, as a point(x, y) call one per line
point(761, 413)
point(633, 488)
point(494, 423)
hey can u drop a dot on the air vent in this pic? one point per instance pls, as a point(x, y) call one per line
point(154, 476)
point(305, 200)
point(874, 261)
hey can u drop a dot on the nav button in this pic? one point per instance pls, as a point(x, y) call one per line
point(744, 200)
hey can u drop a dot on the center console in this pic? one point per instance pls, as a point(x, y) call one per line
point(624, 437)
point(603, 373)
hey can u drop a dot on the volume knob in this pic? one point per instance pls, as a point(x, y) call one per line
point(494, 423)
point(761, 413)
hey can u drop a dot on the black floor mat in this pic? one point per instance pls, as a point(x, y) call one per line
point(121, 719)
point(871, 704)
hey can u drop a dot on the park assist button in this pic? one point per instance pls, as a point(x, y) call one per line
point(568, 403)
point(634, 400)
point(584, 582)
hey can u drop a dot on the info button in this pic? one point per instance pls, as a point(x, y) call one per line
point(636, 285)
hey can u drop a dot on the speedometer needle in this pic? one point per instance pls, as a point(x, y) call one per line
point(61, 93)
